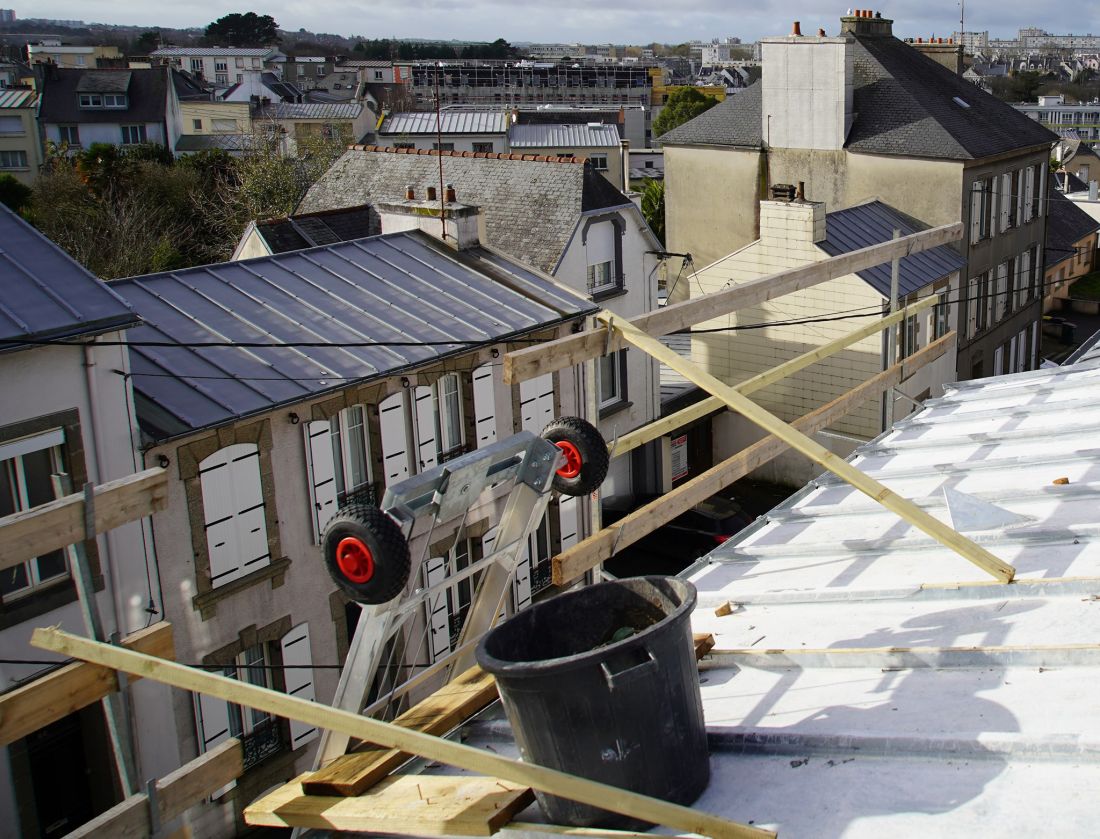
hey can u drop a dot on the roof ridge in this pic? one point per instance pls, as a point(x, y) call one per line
point(488, 155)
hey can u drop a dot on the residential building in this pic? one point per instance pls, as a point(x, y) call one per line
point(348, 122)
point(598, 143)
point(887, 123)
point(20, 148)
point(119, 107)
point(721, 52)
point(66, 420)
point(1034, 38)
point(557, 215)
point(212, 124)
point(796, 233)
point(972, 41)
point(307, 71)
point(372, 72)
point(256, 87)
point(630, 119)
point(307, 230)
point(646, 163)
point(1072, 239)
point(1083, 120)
point(453, 130)
point(74, 56)
point(219, 66)
point(266, 443)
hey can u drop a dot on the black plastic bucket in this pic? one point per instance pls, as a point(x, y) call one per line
point(624, 712)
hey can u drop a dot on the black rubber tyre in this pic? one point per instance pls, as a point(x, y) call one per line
point(585, 453)
point(366, 554)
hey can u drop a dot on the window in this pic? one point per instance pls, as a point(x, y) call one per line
point(91, 100)
point(221, 66)
point(332, 131)
point(378, 75)
point(240, 78)
point(105, 100)
point(447, 397)
point(196, 124)
point(461, 594)
point(443, 146)
point(13, 160)
point(601, 276)
point(1032, 271)
point(69, 134)
point(29, 470)
point(238, 62)
point(981, 204)
point(234, 513)
point(1001, 303)
point(599, 162)
point(483, 147)
point(404, 145)
point(133, 134)
point(196, 66)
point(10, 125)
point(611, 371)
point(338, 451)
point(223, 126)
point(221, 78)
point(602, 240)
point(941, 319)
point(910, 336)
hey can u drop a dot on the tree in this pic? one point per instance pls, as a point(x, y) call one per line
point(247, 30)
point(14, 194)
point(653, 206)
point(146, 42)
point(683, 104)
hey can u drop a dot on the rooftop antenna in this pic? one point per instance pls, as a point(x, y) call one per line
point(439, 150)
point(962, 27)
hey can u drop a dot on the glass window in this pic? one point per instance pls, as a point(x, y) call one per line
point(69, 134)
point(196, 66)
point(196, 124)
point(601, 275)
point(611, 372)
point(11, 125)
point(133, 134)
point(443, 146)
point(448, 406)
point(13, 160)
point(599, 161)
point(483, 147)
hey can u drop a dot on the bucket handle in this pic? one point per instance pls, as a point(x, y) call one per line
point(630, 672)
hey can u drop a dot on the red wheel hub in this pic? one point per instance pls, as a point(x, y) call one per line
point(354, 559)
point(573, 460)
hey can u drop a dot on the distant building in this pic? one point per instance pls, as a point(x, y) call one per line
point(1034, 38)
point(1055, 114)
point(20, 150)
point(220, 66)
point(7, 15)
point(972, 40)
point(69, 55)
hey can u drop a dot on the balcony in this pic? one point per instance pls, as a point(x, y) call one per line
point(262, 742)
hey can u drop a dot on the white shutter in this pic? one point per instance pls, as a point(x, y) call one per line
point(322, 473)
point(568, 516)
point(485, 420)
point(487, 543)
point(1005, 202)
point(395, 438)
point(298, 675)
point(1000, 291)
point(427, 450)
point(536, 403)
point(212, 718)
point(1029, 191)
point(1042, 190)
point(998, 361)
point(438, 616)
point(233, 512)
point(975, 211)
point(599, 244)
point(994, 203)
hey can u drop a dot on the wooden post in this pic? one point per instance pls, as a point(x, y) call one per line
point(386, 734)
point(907, 510)
point(663, 426)
point(571, 563)
point(565, 352)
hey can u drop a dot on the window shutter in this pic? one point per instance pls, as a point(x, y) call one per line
point(212, 718)
point(395, 438)
point(1042, 190)
point(487, 543)
point(322, 473)
point(438, 616)
point(975, 212)
point(600, 243)
point(298, 676)
point(233, 512)
point(485, 420)
point(536, 403)
point(1004, 203)
point(1029, 192)
point(568, 510)
point(427, 450)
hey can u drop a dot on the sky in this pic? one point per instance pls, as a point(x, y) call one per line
point(583, 21)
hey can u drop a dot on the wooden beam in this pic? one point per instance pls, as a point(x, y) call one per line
point(364, 728)
point(176, 793)
point(590, 552)
point(59, 693)
point(451, 705)
point(404, 805)
point(565, 352)
point(907, 510)
point(664, 425)
point(60, 523)
point(587, 832)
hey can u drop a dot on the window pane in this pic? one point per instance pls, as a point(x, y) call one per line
point(7, 476)
point(609, 380)
point(13, 580)
point(52, 565)
point(337, 454)
point(357, 448)
point(37, 467)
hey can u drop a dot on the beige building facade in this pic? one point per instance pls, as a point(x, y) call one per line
point(20, 148)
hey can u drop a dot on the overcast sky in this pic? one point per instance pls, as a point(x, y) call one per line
point(585, 21)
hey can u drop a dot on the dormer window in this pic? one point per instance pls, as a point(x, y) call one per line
point(103, 100)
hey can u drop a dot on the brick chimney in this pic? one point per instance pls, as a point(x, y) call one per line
point(866, 22)
point(462, 222)
point(807, 91)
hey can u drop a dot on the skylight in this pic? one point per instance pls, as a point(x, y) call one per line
point(962, 103)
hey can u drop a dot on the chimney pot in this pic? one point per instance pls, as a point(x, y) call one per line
point(431, 193)
point(801, 191)
point(820, 33)
point(796, 28)
point(449, 194)
point(410, 193)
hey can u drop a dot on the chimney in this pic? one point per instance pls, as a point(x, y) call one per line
point(807, 91)
point(431, 194)
point(796, 30)
point(1092, 190)
point(792, 225)
point(866, 22)
point(461, 222)
point(449, 194)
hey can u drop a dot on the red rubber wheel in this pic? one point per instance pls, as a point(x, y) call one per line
point(573, 460)
point(585, 453)
point(354, 559)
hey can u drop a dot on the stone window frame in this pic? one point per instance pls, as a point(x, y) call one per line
point(64, 591)
point(188, 458)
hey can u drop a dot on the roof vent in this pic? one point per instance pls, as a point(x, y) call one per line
point(962, 103)
point(784, 192)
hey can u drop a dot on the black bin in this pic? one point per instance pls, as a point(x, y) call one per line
point(583, 698)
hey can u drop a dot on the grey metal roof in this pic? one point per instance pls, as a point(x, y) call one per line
point(531, 206)
point(313, 110)
point(45, 294)
point(904, 104)
point(874, 222)
point(212, 52)
point(403, 287)
point(871, 682)
point(18, 98)
point(450, 122)
point(308, 230)
point(563, 136)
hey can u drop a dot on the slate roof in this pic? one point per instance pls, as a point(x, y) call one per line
point(873, 223)
point(450, 122)
point(44, 293)
point(212, 52)
point(402, 287)
point(904, 104)
point(312, 110)
point(203, 142)
point(1069, 182)
point(531, 203)
point(104, 81)
point(1067, 224)
point(564, 136)
point(325, 228)
point(147, 96)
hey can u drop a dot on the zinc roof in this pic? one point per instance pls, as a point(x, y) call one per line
point(563, 136)
point(450, 122)
point(313, 110)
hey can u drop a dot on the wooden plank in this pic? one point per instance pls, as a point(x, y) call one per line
point(176, 793)
point(528, 363)
point(703, 642)
point(61, 692)
point(60, 523)
point(905, 509)
point(364, 728)
point(664, 425)
point(588, 553)
point(404, 805)
point(451, 705)
point(588, 832)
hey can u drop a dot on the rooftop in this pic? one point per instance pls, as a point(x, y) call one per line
point(18, 97)
point(213, 52)
point(308, 230)
point(313, 110)
point(1067, 224)
point(589, 135)
point(146, 95)
point(450, 122)
point(367, 308)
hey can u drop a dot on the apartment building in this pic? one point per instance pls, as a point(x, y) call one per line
point(20, 148)
point(219, 66)
point(1080, 121)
